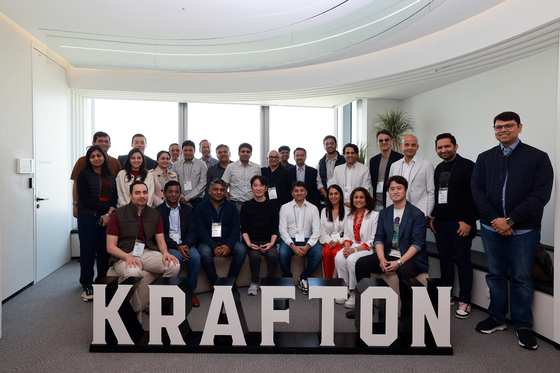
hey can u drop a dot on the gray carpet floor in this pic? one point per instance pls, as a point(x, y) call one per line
point(48, 328)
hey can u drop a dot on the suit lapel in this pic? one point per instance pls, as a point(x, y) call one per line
point(405, 219)
point(415, 170)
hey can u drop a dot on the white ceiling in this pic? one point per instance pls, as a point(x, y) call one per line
point(228, 35)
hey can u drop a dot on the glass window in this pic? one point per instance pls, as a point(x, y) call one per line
point(231, 125)
point(301, 127)
point(121, 119)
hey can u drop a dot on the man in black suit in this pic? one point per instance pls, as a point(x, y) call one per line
point(139, 141)
point(309, 175)
point(380, 165)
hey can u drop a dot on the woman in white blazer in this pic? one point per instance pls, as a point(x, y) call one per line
point(332, 228)
point(134, 169)
point(162, 175)
point(359, 232)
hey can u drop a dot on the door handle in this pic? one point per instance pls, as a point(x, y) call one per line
point(41, 199)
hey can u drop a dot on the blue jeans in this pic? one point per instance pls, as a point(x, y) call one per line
point(238, 252)
point(516, 253)
point(193, 264)
point(93, 245)
point(285, 254)
point(455, 250)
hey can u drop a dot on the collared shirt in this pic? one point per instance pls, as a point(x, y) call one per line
point(175, 220)
point(210, 162)
point(239, 179)
point(351, 178)
point(330, 165)
point(300, 173)
point(195, 172)
point(306, 218)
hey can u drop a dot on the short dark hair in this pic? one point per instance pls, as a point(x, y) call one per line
point(261, 178)
point(222, 146)
point(298, 184)
point(188, 143)
point(383, 131)
point(172, 145)
point(217, 181)
point(507, 116)
point(353, 146)
point(100, 134)
point(329, 137)
point(397, 179)
point(446, 135)
point(245, 145)
point(296, 149)
point(283, 147)
point(201, 141)
point(139, 135)
point(137, 182)
point(171, 183)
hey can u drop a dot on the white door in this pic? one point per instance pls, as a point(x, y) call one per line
point(51, 143)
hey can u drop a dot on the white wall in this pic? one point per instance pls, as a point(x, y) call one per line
point(467, 108)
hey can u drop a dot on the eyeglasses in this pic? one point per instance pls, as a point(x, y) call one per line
point(330, 143)
point(383, 140)
point(273, 157)
point(508, 127)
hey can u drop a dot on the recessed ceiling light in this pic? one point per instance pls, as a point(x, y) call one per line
point(183, 9)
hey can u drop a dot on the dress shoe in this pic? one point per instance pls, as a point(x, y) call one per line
point(195, 301)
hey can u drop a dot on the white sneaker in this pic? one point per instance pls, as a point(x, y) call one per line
point(253, 289)
point(340, 300)
point(351, 302)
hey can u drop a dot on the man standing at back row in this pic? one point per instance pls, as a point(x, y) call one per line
point(380, 165)
point(511, 184)
point(418, 172)
point(238, 177)
point(327, 164)
point(454, 219)
point(139, 141)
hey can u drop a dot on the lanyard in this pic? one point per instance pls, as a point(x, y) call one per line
point(270, 175)
point(190, 171)
point(452, 168)
point(223, 208)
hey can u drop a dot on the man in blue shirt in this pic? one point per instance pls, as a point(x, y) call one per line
point(511, 184)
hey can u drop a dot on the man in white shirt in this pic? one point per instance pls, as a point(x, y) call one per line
point(352, 174)
point(419, 174)
point(300, 228)
point(238, 177)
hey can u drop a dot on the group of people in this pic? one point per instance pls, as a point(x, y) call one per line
point(137, 213)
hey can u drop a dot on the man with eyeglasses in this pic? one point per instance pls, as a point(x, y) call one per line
point(175, 152)
point(279, 179)
point(327, 164)
point(217, 170)
point(238, 177)
point(380, 165)
point(419, 173)
point(511, 184)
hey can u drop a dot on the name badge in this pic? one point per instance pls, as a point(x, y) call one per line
point(442, 196)
point(335, 237)
point(347, 193)
point(187, 185)
point(379, 188)
point(272, 193)
point(138, 249)
point(216, 229)
point(299, 236)
point(175, 236)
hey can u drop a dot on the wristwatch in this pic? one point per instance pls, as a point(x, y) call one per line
point(509, 221)
point(399, 262)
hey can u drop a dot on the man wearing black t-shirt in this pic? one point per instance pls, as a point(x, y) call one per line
point(454, 219)
point(259, 228)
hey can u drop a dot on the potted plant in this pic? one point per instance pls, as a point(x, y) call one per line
point(397, 122)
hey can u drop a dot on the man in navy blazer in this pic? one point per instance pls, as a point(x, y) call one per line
point(400, 239)
point(179, 231)
point(309, 175)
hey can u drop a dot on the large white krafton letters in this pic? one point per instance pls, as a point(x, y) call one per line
point(427, 331)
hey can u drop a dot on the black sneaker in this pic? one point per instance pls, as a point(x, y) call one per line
point(489, 326)
point(526, 339)
point(302, 285)
point(87, 294)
